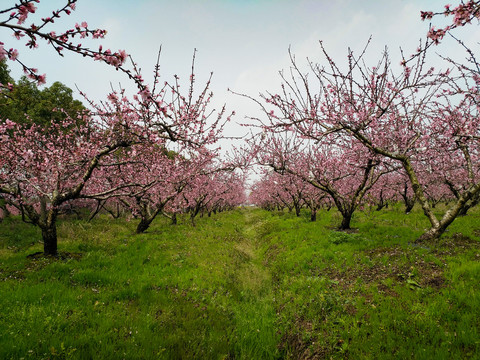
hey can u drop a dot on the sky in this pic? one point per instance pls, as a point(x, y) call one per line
point(243, 42)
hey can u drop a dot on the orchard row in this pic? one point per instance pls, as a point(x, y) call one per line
point(361, 133)
point(155, 153)
point(341, 136)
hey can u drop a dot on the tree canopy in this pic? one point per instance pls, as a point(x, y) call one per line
point(25, 103)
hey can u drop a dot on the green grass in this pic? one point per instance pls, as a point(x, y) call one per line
point(246, 284)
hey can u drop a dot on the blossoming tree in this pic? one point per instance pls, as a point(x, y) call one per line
point(399, 117)
point(41, 171)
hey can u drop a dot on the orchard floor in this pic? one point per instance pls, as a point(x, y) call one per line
point(246, 284)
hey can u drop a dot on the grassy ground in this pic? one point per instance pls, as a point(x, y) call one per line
point(247, 284)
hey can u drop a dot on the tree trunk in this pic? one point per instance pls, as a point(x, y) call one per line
point(143, 225)
point(432, 234)
point(381, 203)
point(297, 210)
point(381, 206)
point(43, 209)
point(439, 228)
point(313, 215)
point(97, 210)
point(346, 219)
point(49, 233)
point(49, 236)
point(345, 209)
point(472, 203)
point(409, 204)
point(174, 219)
point(409, 201)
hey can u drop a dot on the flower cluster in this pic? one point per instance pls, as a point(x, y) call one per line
point(61, 42)
point(462, 14)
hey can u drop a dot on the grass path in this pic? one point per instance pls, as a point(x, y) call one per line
point(255, 313)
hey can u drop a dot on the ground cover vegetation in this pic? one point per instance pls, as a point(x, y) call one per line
point(247, 284)
point(364, 242)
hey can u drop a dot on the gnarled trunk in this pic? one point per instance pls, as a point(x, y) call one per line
point(143, 225)
point(147, 215)
point(438, 227)
point(346, 219)
point(409, 204)
point(409, 201)
point(432, 234)
point(472, 203)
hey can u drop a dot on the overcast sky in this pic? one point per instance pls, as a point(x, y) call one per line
point(244, 42)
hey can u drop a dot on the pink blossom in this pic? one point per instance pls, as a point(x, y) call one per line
point(24, 10)
point(426, 14)
point(13, 54)
point(436, 35)
point(112, 97)
point(99, 34)
point(476, 78)
point(10, 124)
point(122, 55)
point(41, 79)
point(30, 7)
